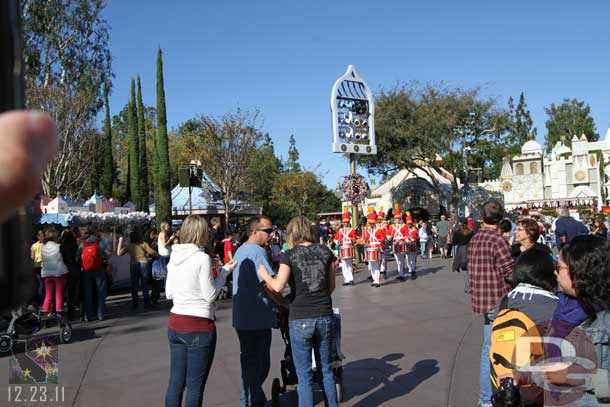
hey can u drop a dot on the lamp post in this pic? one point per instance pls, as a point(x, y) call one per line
point(189, 176)
point(466, 131)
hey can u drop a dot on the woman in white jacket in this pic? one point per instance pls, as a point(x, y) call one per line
point(191, 329)
point(54, 272)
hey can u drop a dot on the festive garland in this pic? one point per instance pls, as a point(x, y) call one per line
point(355, 188)
point(109, 218)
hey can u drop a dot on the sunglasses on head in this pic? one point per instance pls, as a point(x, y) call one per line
point(266, 230)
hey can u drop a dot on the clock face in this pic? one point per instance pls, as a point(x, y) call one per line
point(580, 175)
point(507, 186)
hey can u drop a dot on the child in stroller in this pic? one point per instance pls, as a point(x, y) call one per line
point(287, 368)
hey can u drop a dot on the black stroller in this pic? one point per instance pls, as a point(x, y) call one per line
point(287, 368)
point(26, 322)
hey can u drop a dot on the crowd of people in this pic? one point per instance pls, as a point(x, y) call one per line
point(509, 269)
point(566, 295)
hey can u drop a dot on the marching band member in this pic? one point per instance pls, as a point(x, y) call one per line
point(346, 237)
point(374, 237)
point(412, 243)
point(398, 233)
point(382, 224)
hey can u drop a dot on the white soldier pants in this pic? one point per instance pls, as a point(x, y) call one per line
point(346, 269)
point(400, 262)
point(383, 262)
point(374, 269)
point(412, 260)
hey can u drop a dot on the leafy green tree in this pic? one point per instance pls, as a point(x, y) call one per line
point(66, 62)
point(520, 125)
point(226, 147)
point(570, 118)
point(163, 203)
point(293, 156)
point(134, 150)
point(263, 173)
point(416, 125)
point(108, 165)
point(301, 193)
point(143, 163)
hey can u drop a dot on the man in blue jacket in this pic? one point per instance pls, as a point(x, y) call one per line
point(253, 312)
point(567, 228)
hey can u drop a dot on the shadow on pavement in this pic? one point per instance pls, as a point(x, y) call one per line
point(428, 270)
point(362, 376)
point(401, 384)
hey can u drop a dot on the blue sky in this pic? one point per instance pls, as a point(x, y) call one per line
point(282, 57)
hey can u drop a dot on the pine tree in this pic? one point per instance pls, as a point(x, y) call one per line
point(293, 156)
point(525, 131)
point(134, 150)
point(107, 174)
point(521, 124)
point(144, 189)
point(163, 206)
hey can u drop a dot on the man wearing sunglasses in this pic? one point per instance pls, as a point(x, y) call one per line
point(253, 314)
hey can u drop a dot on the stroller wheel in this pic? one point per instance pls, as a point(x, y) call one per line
point(276, 389)
point(6, 343)
point(65, 333)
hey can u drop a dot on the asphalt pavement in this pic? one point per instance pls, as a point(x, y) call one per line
point(411, 343)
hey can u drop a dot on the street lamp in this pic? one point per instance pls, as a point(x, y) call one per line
point(466, 131)
point(189, 176)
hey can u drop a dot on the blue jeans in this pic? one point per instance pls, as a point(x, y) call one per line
point(191, 356)
point(485, 369)
point(423, 248)
point(255, 357)
point(316, 334)
point(139, 277)
point(89, 280)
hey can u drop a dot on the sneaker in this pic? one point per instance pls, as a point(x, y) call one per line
point(485, 404)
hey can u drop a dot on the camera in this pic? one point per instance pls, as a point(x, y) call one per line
point(508, 395)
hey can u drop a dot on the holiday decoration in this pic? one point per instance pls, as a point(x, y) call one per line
point(355, 188)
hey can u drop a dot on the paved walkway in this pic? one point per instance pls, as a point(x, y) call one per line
point(412, 343)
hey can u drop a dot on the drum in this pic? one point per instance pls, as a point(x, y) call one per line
point(346, 252)
point(372, 254)
point(399, 247)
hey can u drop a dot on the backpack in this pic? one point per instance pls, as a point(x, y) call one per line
point(90, 256)
point(504, 356)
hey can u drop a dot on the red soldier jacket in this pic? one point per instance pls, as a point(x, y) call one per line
point(374, 237)
point(347, 235)
point(399, 233)
point(412, 235)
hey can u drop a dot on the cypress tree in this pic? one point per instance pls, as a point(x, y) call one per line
point(106, 187)
point(94, 171)
point(127, 194)
point(163, 208)
point(144, 189)
point(134, 153)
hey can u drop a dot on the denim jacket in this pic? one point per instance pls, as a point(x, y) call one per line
point(598, 331)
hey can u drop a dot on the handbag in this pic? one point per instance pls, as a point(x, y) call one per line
point(159, 269)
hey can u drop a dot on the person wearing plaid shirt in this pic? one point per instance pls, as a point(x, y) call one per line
point(489, 263)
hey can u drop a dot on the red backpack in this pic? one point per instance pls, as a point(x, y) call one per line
point(90, 256)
